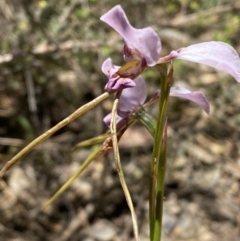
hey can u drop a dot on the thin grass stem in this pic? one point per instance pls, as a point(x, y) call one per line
point(82, 110)
point(113, 129)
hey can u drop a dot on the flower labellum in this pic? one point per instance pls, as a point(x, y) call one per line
point(115, 81)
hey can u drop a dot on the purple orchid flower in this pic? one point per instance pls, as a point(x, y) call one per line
point(142, 47)
point(219, 55)
point(132, 99)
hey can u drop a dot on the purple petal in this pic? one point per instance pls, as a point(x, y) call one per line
point(219, 55)
point(108, 66)
point(142, 43)
point(115, 81)
point(107, 119)
point(197, 97)
point(118, 83)
point(132, 98)
point(119, 121)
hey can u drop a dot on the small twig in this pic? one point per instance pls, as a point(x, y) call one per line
point(50, 132)
point(48, 145)
point(191, 19)
point(5, 141)
point(113, 129)
point(43, 49)
point(31, 91)
point(32, 104)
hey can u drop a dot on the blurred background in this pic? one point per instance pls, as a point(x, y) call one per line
point(50, 64)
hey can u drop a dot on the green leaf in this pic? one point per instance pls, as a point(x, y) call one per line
point(148, 121)
point(26, 126)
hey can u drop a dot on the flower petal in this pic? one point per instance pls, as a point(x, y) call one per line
point(132, 98)
point(119, 121)
point(115, 81)
point(119, 83)
point(197, 97)
point(219, 55)
point(145, 41)
point(107, 66)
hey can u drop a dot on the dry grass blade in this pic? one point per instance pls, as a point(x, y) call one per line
point(91, 141)
point(82, 110)
point(113, 129)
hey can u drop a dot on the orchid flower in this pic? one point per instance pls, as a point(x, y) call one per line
point(142, 47)
point(141, 50)
point(133, 99)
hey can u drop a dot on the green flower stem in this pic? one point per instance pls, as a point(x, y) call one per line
point(158, 164)
point(160, 188)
